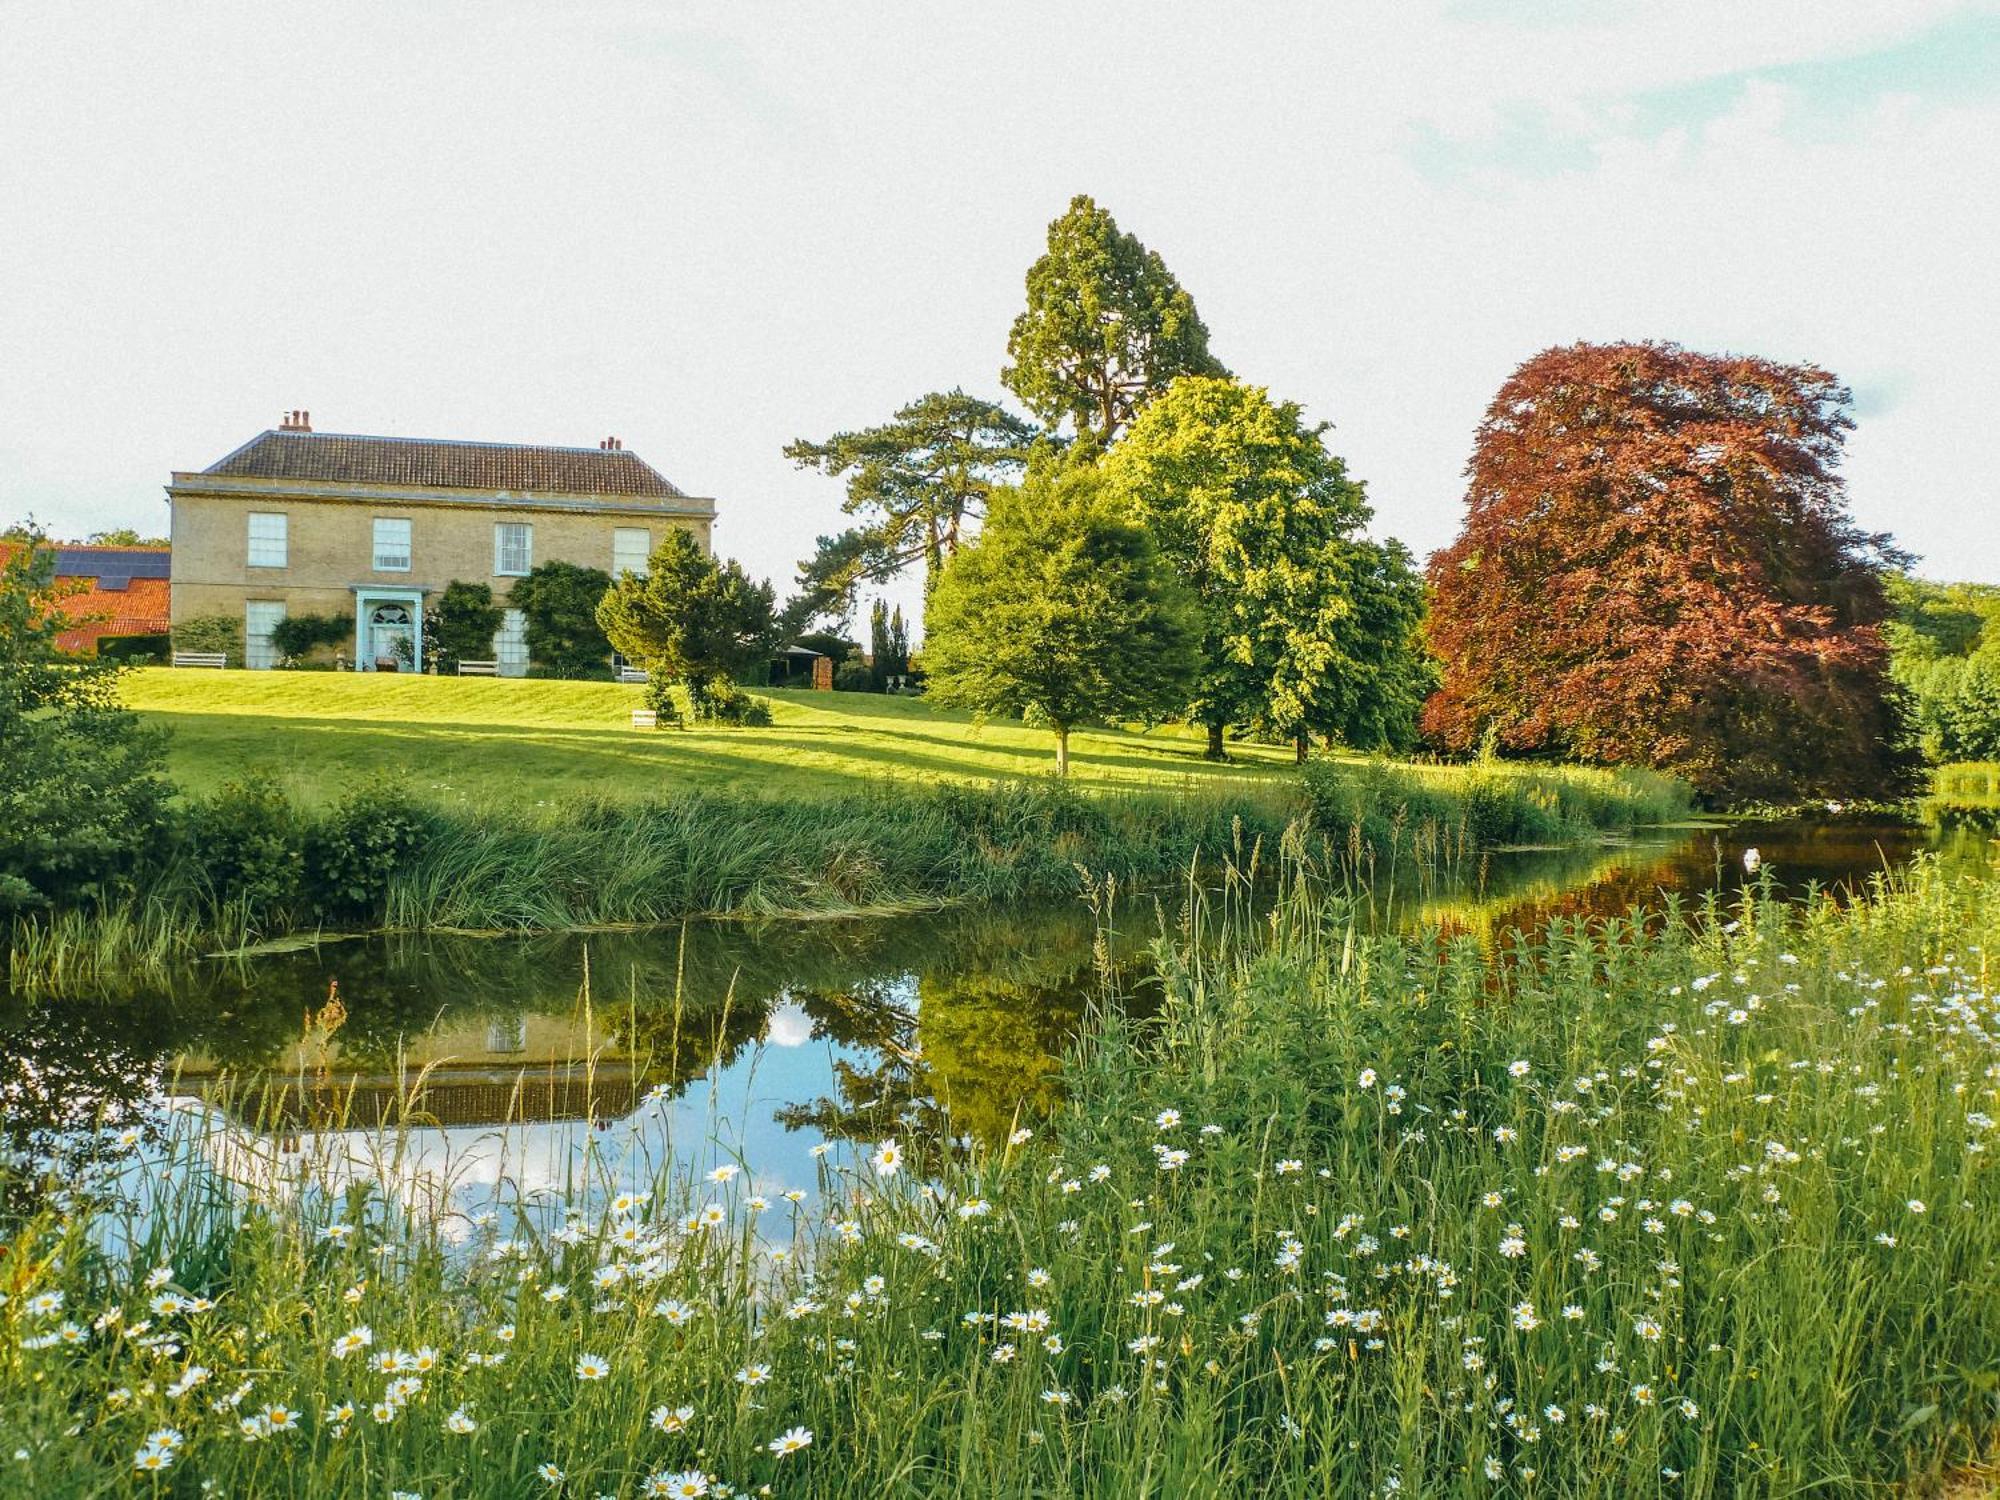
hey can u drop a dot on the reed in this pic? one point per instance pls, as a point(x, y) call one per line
point(587, 862)
point(1698, 1206)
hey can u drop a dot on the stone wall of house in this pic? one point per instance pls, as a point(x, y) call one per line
point(330, 546)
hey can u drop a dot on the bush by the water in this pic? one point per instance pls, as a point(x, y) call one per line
point(1703, 1209)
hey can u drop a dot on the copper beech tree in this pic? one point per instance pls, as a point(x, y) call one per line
point(1657, 567)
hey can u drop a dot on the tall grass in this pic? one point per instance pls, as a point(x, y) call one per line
point(588, 862)
point(1695, 1207)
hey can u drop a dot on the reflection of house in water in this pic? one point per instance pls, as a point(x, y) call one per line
point(509, 1067)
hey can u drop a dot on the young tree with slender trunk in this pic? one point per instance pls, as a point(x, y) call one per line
point(1062, 608)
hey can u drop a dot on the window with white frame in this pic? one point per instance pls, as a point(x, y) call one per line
point(260, 618)
point(513, 548)
point(392, 545)
point(267, 539)
point(631, 546)
point(510, 644)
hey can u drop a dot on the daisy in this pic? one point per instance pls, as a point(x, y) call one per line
point(790, 1441)
point(592, 1367)
point(887, 1158)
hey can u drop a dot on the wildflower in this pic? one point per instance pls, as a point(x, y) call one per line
point(152, 1460)
point(974, 1208)
point(790, 1441)
point(1525, 1317)
point(1518, 1068)
point(1021, 1137)
point(1916, 1205)
point(1056, 1398)
point(753, 1375)
point(549, 1474)
point(359, 1337)
point(591, 1367)
point(555, 1293)
point(1367, 1078)
point(279, 1417)
point(688, 1484)
point(887, 1158)
point(1039, 1278)
point(671, 1419)
point(1647, 1329)
point(1167, 1119)
point(460, 1422)
point(1513, 1247)
point(724, 1172)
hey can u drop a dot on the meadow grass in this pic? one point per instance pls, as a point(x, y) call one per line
point(484, 741)
point(1700, 1207)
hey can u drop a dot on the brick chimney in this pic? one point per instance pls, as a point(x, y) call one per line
point(611, 445)
point(296, 421)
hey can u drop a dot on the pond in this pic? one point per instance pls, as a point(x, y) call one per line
point(476, 1077)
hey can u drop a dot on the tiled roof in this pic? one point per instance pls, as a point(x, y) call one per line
point(125, 605)
point(349, 459)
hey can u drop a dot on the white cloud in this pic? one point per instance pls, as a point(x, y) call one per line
point(716, 231)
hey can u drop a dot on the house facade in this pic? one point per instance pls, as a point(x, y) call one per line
point(373, 528)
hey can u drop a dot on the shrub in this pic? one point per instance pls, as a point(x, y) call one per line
point(134, 649)
point(715, 702)
point(560, 602)
point(222, 633)
point(462, 625)
point(853, 677)
point(353, 852)
point(301, 635)
point(245, 841)
point(82, 798)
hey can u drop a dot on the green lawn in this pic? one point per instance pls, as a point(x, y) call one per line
point(488, 739)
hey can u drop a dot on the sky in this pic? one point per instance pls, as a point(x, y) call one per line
point(710, 229)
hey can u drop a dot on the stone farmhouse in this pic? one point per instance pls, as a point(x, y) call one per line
point(303, 522)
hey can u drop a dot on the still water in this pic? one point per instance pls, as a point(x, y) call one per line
point(468, 1077)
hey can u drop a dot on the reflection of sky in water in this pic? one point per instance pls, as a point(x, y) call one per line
point(529, 1171)
point(476, 1001)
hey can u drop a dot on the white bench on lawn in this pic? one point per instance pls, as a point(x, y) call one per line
point(634, 674)
point(645, 718)
point(201, 658)
point(479, 669)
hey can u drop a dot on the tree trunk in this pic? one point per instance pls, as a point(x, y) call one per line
point(1215, 750)
point(1301, 745)
point(1062, 749)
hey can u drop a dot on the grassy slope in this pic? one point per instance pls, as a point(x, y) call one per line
point(320, 733)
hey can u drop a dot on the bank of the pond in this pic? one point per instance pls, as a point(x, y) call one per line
point(247, 863)
point(1624, 1208)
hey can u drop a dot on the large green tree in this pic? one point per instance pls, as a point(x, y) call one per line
point(1658, 567)
point(1061, 608)
point(82, 797)
point(1308, 627)
point(915, 483)
point(1106, 329)
point(691, 620)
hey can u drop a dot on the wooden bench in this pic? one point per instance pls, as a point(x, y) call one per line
point(634, 674)
point(479, 669)
point(201, 658)
point(645, 718)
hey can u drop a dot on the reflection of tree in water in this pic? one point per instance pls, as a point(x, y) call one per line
point(64, 1069)
point(984, 1046)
